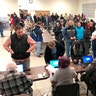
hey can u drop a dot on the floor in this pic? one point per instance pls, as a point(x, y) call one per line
point(42, 87)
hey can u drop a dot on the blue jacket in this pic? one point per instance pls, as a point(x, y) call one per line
point(80, 32)
point(36, 34)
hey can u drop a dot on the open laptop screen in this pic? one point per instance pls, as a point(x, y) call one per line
point(87, 59)
point(54, 63)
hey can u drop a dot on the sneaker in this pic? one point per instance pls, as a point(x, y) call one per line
point(93, 93)
point(27, 71)
point(41, 53)
point(2, 36)
point(38, 56)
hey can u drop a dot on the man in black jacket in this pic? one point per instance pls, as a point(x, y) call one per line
point(20, 45)
point(53, 50)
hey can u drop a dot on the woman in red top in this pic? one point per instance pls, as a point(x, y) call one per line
point(12, 23)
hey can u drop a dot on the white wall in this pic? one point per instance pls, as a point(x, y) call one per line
point(8, 7)
point(59, 6)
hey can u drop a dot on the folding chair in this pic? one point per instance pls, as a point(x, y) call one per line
point(68, 90)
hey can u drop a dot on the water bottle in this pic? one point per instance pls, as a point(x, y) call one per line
point(79, 64)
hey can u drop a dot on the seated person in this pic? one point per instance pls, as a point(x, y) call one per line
point(53, 50)
point(90, 77)
point(64, 75)
point(14, 82)
point(77, 51)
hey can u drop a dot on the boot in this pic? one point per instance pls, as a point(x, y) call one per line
point(10, 33)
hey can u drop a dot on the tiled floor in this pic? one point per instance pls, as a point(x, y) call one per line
point(42, 87)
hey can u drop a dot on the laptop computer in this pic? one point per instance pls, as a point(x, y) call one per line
point(54, 63)
point(87, 59)
point(19, 68)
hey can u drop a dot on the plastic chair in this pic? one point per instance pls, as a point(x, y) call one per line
point(67, 90)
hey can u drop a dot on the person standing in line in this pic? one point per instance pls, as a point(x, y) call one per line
point(16, 19)
point(14, 83)
point(12, 23)
point(28, 26)
point(70, 36)
point(20, 45)
point(80, 31)
point(57, 31)
point(30, 17)
point(1, 29)
point(93, 39)
point(86, 39)
point(36, 34)
point(35, 18)
point(8, 18)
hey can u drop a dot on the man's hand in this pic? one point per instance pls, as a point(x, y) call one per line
point(27, 51)
point(11, 51)
point(72, 38)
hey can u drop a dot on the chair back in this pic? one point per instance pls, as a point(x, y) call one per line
point(68, 90)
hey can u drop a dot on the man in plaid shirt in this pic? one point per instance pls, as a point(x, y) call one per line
point(15, 83)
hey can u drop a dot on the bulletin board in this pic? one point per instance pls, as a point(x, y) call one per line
point(89, 9)
point(43, 12)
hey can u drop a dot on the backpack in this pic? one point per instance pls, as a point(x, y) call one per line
point(36, 31)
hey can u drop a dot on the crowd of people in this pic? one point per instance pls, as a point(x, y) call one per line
point(73, 35)
point(67, 29)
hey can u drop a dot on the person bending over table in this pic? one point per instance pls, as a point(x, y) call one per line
point(15, 83)
point(53, 50)
point(77, 51)
point(64, 74)
point(20, 45)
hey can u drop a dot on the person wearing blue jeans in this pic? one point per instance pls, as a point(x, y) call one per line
point(93, 39)
point(94, 48)
point(70, 36)
point(68, 45)
point(1, 29)
point(36, 34)
point(38, 47)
